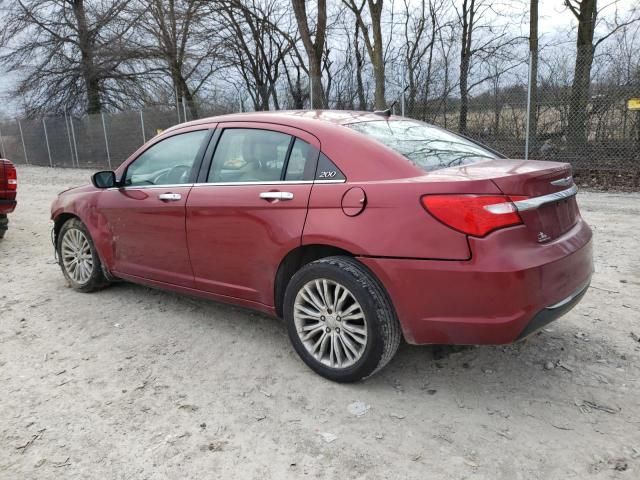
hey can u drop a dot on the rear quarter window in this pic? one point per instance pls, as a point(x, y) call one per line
point(428, 147)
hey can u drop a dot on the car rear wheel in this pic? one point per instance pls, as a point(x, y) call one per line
point(78, 258)
point(340, 319)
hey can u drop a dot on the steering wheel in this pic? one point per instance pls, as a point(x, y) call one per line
point(178, 174)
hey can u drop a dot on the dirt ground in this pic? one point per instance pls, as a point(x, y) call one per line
point(133, 383)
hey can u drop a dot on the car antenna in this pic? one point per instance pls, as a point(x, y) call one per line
point(387, 112)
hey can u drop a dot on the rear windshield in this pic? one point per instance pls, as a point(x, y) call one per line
point(428, 147)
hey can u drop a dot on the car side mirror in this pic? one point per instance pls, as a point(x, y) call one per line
point(104, 179)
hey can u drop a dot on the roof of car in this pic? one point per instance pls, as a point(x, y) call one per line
point(337, 117)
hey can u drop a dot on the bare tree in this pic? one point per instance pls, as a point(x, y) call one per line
point(173, 33)
point(482, 37)
point(374, 43)
point(314, 48)
point(255, 44)
point(71, 55)
point(586, 12)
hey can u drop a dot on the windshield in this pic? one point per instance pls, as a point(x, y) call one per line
point(428, 147)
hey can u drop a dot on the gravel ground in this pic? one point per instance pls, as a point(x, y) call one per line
point(132, 382)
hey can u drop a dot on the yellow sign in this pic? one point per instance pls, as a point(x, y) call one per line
point(633, 104)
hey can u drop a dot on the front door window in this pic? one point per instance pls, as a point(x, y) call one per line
point(169, 162)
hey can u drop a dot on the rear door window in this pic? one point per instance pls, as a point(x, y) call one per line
point(424, 145)
point(249, 155)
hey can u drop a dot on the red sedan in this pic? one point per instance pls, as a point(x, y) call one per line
point(357, 228)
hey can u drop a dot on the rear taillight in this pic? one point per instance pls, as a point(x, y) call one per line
point(475, 215)
point(11, 177)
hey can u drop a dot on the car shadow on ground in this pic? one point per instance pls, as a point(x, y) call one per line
point(557, 352)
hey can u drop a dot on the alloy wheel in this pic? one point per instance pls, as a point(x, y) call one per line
point(330, 323)
point(76, 256)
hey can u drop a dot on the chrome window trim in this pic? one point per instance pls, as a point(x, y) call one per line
point(222, 184)
point(145, 187)
point(275, 182)
point(536, 202)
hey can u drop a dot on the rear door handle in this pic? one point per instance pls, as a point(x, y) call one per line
point(276, 195)
point(170, 197)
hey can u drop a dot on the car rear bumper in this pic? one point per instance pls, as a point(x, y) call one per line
point(508, 290)
point(7, 206)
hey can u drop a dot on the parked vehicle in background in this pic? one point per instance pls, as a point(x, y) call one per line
point(8, 189)
point(357, 228)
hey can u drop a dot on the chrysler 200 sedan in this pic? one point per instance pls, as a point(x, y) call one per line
point(358, 229)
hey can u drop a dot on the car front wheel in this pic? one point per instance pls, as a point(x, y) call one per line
point(78, 258)
point(340, 319)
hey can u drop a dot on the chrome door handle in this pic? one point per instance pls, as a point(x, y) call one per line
point(276, 195)
point(171, 197)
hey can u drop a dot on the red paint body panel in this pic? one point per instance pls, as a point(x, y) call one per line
point(491, 298)
point(7, 194)
point(148, 235)
point(237, 240)
point(226, 243)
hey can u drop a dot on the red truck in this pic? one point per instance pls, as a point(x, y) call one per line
point(8, 188)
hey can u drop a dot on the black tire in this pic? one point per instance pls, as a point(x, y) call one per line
point(97, 279)
point(382, 326)
point(4, 224)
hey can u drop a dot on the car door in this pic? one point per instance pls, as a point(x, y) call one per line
point(146, 214)
point(249, 208)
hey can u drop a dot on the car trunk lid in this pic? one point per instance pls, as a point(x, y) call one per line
point(543, 192)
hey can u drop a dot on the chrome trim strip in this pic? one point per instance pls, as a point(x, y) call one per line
point(275, 182)
point(536, 202)
point(222, 184)
point(144, 187)
point(563, 302)
point(563, 182)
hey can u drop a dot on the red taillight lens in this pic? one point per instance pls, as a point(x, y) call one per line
point(11, 177)
point(469, 214)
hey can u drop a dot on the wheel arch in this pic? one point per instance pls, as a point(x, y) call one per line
point(294, 261)
point(58, 221)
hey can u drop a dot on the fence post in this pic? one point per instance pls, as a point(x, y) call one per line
point(144, 137)
point(184, 108)
point(24, 149)
point(75, 144)
point(526, 140)
point(4, 152)
point(106, 142)
point(46, 139)
point(310, 93)
point(66, 126)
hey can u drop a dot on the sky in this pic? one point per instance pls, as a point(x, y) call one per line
point(554, 19)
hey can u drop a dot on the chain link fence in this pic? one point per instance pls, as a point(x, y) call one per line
point(605, 155)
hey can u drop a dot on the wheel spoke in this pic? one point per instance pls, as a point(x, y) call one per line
point(330, 323)
point(311, 299)
point(76, 255)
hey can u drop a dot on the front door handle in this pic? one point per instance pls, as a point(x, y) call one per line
point(170, 197)
point(276, 195)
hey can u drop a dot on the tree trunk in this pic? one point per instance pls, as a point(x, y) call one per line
point(362, 101)
point(315, 48)
point(468, 12)
point(89, 74)
point(533, 52)
point(377, 58)
point(579, 100)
